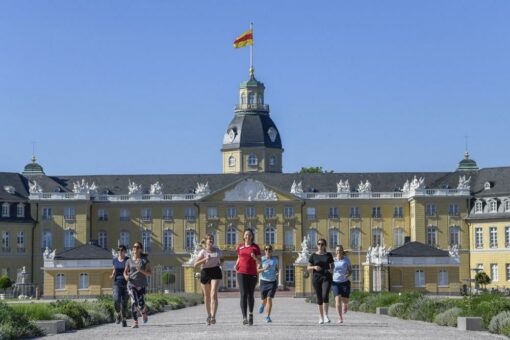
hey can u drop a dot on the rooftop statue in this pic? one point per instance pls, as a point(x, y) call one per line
point(156, 188)
point(134, 188)
point(202, 188)
point(343, 186)
point(464, 183)
point(296, 188)
point(34, 187)
point(365, 187)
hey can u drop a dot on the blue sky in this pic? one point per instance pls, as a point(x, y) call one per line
point(126, 87)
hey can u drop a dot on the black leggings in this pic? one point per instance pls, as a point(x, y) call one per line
point(247, 285)
point(322, 286)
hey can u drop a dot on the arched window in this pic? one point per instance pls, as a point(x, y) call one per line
point(102, 239)
point(168, 239)
point(252, 160)
point(398, 237)
point(124, 238)
point(60, 282)
point(355, 240)
point(442, 278)
point(69, 239)
point(231, 234)
point(455, 236)
point(5, 210)
point(334, 237)
point(46, 240)
point(493, 206)
point(312, 238)
point(231, 161)
point(84, 281)
point(269, 235)
point(419, 278)
point(190, 239)
point(260, 99)
point(146, 240)
point(243, 98)
point(478, 207)
point(251, 98)
point(377, 237)
point(20, 210)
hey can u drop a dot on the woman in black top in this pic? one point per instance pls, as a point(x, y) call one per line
point(322, 262)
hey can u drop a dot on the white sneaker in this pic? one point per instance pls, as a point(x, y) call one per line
point(321, 321)
point(326, 319)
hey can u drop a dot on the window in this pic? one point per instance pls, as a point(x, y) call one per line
point(355, 273)
point(430, 210)
point(455, 236)
point(288, 212)
point(355, 212)
point(231, 161)
point(398, 212)
point(310, 213)
point(168, 239)
point(355, 240)
point(102, 239)
point(493, 237)
point(494, 272)
point(333, 212)
point(270, 212)
point(69, 214)
point(46, 240)
point(478, 238)
point(252, 160)
point(60, 282)
point(289, 274)
point(84, 281)
point(419, 278)
point(47, 213)
point(147, 240)
point(493, 206)
point(478, 207)
point(124, 215)
point(398, 237)
point(288, 241)
point(377, 237)
point(6, 242)
point(102, 215)
point(231, 212)
point(442, 278)
point(506, 205)
point(432, 236)
point(269, 235)
point(6, 210)
point(20, 240)
point(20, 210)
point(272, 161)
point(231, 235)
point(507, 237)
point(146, 214)
point(251, 98)
point(334, 237)
point(250, 212)
point(376, 212)
point(508, 271)
point(190, 214)
point(312, 237)
point(487, 186)
point(212, 213)
point(243, 98)
point(190, 239)
point(124, 238)
point(453, 209)
point(479, 266)
point(168, 214)
point(69, 239)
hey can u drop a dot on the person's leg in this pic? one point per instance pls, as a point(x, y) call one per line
point(270, 297)
point(206, 288)
point(345, 296)
point(133, 294)
point(251, 292)
point(318, 292)
point(338, 305)
point(244, 297)
point(117, 301)
point(269, 305)
point(141, 303)
point(124, 304)
point(215, 286)
point(326, 287)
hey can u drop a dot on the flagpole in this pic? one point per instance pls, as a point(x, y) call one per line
point(251, 50)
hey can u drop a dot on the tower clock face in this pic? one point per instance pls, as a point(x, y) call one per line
point(231, 135)
point(272, 134)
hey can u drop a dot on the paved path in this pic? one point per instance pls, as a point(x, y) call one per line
point(292, 319)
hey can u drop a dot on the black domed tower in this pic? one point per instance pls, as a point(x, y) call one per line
point(252, 142)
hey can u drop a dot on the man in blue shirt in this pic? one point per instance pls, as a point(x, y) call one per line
point(268, 281)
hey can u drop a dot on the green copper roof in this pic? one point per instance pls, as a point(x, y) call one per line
point(33, 168)
point(252, 82)
point(467, 164)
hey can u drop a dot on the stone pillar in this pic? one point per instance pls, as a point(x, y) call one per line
point(367, 278)
point(302, 280)
point(191, 284)
point(281, 272)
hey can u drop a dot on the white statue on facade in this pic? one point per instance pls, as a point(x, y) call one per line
point(304, 254)
point(377, 255)
point(417, 183)
point(34, 187)
point(202, 188)
point(93, 189)
point(453, 250)
point(296, 188)
point(48, 254)
point(156, 188)
point(196, 249)
point(365, 187)
point(464, 183)
point(134, 188)
point(406, 187)
point(343, 186)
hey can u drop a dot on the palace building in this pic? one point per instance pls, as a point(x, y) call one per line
point(427, 231)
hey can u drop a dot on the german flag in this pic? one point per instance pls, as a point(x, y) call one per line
point(244, 39)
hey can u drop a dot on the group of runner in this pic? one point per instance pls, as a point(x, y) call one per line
point(130, 279)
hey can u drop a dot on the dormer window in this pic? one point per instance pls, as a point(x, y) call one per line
point(20, 210)
point(252, 160)
point(493, 206)
point(9, 189)
point(6, 210)
point(487, 186)
point(506, 205)
point(478, 207)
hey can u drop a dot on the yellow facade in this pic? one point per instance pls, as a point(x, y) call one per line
point(99, 283)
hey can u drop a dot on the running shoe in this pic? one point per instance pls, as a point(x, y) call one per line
point(145, 318)
point(124, 323)
point(340, 320)
point(268, 319)
point(261, 309)
point(208, 321)
point(326, 319)
point(345, 308)
point(321, 321)
point(213, 320)
point(250, 319)
point(117, 318)
point(245, 321)
point(135, 325)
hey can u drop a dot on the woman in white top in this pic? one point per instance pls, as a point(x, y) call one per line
point(209, 259)
point(341, 281)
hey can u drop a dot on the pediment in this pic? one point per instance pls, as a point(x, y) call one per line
point(250, 190)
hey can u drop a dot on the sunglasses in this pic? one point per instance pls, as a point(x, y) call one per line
point(269, 249)
point(121, 249)
point(321, 244)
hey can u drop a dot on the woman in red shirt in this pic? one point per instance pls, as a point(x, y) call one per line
point(248, 260)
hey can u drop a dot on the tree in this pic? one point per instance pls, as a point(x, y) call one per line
point(482, 279)
point(313, 170)
point(5, 283)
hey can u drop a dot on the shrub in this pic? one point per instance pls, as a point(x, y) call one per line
point(422, 309)
point(34, 311)
point(499, 322)
point(15, 325)
point(486, 306)
point(70, 324)
point(74, 310)
point(354, 305)
point(397, 309)
point(363, 307)
point(448, 317)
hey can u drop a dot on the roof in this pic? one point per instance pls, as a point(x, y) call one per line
point(467, 164)
point(418, 249)
point(33, 168)
point(251, 130)
point(499, 178)
point(16, 181)
point(85, 252)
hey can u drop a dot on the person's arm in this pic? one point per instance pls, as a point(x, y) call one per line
point(113, 273)
point(147, 271)
point(311, 265)
point(349, 271)
point(126, 272)
point(200, 260)
point(331, 263)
